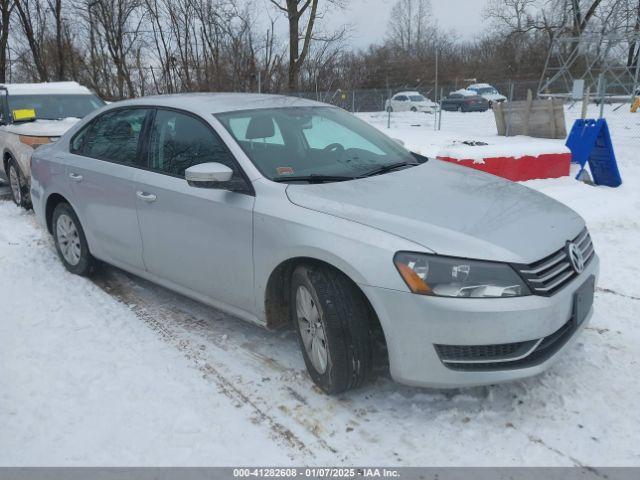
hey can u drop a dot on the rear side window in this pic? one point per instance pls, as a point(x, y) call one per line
point(179, 141)
point(113, 136)
point(401, 98)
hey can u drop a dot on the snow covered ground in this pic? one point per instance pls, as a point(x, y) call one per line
point(115, 371)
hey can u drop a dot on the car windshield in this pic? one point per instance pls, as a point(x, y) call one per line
point(417, 98)
point(54, 107)
point(313, 142)
point(487, 91)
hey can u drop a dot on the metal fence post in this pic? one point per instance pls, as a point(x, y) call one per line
point(507, 110)
point(440, 108)
point(602, 89)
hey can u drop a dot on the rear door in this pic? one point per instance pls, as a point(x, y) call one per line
point(101, 167)
point(200, 239)
point(401, 103)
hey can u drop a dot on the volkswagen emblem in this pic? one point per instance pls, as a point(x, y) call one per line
point(575, 257)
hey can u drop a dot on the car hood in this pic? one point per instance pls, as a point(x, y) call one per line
point(450, 210)
point(43, 128)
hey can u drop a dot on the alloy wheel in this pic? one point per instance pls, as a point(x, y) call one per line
point(311, 329)
point(68, 239)
point(14, 182)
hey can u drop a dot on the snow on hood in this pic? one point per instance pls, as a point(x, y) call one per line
point(450, 210)
point(43, 128)
point(493, 96)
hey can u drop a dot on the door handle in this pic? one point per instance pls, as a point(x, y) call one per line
point(147, 197)
point(75, 177)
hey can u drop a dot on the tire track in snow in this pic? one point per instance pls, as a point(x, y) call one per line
point(172, 326)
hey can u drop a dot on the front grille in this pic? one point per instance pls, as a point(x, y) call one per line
point(538, 352)
point(552, 273)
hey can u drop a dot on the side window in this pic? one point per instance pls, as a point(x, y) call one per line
point(401, 98)
point(179, 141)
point(113, 136)
point(3, 106)
point(77, 142)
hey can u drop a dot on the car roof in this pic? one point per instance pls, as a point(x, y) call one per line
point(46, 88)
point(465, 92)
point(408, 93)
point(219, 102)
point(480, 85)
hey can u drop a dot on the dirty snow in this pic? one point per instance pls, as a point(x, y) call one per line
point(115, 371)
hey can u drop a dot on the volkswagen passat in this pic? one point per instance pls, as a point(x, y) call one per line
point(280, 210)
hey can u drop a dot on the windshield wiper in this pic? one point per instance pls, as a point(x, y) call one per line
point(314, 178)
point(388, 168)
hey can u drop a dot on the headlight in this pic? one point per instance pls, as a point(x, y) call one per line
point(34, 142)
point(458, 277)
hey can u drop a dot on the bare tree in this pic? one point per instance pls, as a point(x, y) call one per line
point(119, 22)
point(56, 8)
point(296, 12)
point(634, 46)
point(6, 7)
point(33, 21)
point(410, 25)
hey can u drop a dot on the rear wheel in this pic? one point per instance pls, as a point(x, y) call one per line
point(18, 185)
point(334, 328)
point(70, 241)
point(414, 109)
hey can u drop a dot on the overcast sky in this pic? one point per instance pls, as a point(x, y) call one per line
point(369, 18)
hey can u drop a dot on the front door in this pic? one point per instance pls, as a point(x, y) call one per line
point(197, 238)
point(101, 169)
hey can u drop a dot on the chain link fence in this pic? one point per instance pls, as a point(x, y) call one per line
point(598, 104)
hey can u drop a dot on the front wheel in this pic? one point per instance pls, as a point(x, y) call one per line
point(334, 328)
point(70, 241)
point(19, 189)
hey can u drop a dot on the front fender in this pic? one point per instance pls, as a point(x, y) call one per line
point(284, 231)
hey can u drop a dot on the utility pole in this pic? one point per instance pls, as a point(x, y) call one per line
point(435, 94)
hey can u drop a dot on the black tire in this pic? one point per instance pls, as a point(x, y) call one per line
point(347, 327)
point(20, 195)
point(86, 263)
point(414, 109)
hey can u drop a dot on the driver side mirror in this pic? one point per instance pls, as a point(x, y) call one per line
point(208, 175)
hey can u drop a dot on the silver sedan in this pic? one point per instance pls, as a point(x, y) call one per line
point(280, 210)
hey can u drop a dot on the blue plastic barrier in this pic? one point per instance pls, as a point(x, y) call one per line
point(590, 141)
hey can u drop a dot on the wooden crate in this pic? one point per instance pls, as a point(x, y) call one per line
point(535, 118)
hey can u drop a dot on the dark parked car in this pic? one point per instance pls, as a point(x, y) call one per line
point(465, 103)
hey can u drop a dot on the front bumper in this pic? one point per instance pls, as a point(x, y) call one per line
point(414, 324)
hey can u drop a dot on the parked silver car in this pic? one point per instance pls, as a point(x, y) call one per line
point(279, 209)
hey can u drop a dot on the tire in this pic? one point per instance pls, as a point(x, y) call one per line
point(71, 243)
point(343, 319)
point(414, 109)
point(18, 185)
